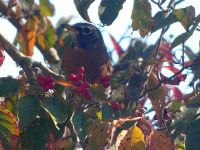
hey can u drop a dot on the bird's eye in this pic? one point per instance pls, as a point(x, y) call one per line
point(87, 30)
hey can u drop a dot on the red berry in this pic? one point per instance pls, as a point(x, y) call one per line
point(106, 84)
point(104, 78)
point(79, 76)
point(40, 77)
point(115, 105)
point(85, 84)
point(72, 77)
point(80, 70)
point(79, 90)
point(87, 95)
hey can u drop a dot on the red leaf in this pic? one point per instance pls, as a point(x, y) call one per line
point(117, 47)
point(2, 56)
point(177, 92)
point(176, 70)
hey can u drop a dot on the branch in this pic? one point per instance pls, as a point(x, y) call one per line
point(25, 62)
point(15, 20)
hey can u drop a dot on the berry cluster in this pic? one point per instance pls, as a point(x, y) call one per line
point(105, 80)
point(45, 82)
point(115, 105)
point(82, 86)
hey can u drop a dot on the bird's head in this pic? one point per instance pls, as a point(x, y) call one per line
point(86, 36)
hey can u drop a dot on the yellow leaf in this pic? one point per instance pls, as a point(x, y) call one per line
point(99, 115)
point(131, 139)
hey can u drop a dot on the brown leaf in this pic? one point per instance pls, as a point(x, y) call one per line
point(131, 139)
point(161, 141)
point(157, 96)
point(26, 36)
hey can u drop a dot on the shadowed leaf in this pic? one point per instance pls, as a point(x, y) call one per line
point(82, 7)
point(9, 86)
point(109, 10)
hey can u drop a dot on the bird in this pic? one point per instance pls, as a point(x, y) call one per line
point(87, 49)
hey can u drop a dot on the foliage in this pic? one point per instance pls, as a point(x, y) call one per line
point(43, 109)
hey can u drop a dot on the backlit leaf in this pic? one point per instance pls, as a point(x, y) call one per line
point(131, 139)
point(82, 7)
point(26, 36)
point(46, 8)
point(9, 130)
point(2, 56)
point(9, 86)
point(116, 45)
point(185, 16)
point(141, 16)
point(109, 10)
point(46, 38)
point(160, 141)
point(99, 135)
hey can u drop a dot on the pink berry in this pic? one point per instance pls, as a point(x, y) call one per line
point(85, 84)
point(87, 95)
point(104, 78)
point(115, 105)
point(72, 77)
point(80, 70)
point(79, 76)
point(106, 84)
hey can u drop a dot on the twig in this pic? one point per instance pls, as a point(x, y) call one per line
point(19, 58)
point(47, 71)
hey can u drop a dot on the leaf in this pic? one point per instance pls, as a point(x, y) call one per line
point(107, 112)
point(131, 139)
point(160, 140)
point(161, 19)
point(174, 106)
point(46, 8)
point(57, 107)
point(64, 83)
point(157, 96)
point(117, 47)
point(46, 38)
point(141, 17)
point(80, 123)
point(185, 16)
point(9, 130)
point(82, 7)
point(193, 136)
point(2, 56)
point(185, 36)
point(9, 86)
point(177, 94)
point(100, 136)
point(176, 70)
point(109, 10)
point(27, 110)
point(26, 36)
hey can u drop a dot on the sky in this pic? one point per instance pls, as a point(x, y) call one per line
point(66, 8)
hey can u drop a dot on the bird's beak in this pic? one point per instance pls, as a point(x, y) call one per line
point(71, 29)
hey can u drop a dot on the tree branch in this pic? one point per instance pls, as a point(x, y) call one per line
point(25, 62)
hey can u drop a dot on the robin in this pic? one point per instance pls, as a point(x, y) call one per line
point(88, 50)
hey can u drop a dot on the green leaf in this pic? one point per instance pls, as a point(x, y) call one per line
point(8, 127)
point(193, 136)
point(109, 10)
point(9, 86)
point(38, 133)
point(185, 36)
point(82, 7)
point(161, 20)
point(80, 123)
point(46, 8)
point(47, 39)
point(141, 16)
point(185, 16)
point(27, 110)
point(174, 106)
point(107, 112)
point(57, 107)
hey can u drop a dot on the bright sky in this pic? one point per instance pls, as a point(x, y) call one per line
point(66, 8)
